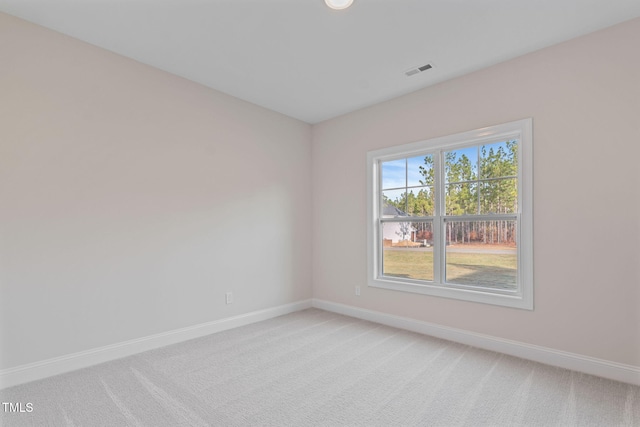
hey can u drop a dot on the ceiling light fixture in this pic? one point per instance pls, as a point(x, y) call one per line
point(338, 4)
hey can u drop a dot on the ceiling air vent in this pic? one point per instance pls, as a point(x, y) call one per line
point(416, 70)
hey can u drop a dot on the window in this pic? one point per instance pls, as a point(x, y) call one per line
point(452, 216)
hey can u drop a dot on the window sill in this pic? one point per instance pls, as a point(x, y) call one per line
point(505, 298)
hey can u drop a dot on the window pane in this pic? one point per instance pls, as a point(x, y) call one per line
point(420, 171)
point(498, 160)
point(499, 196)
point(461, 165)
point(407, 250)
point(394, 174)
point(481, 253)
point(420, 201)
point(461, 199)
point(394, 203)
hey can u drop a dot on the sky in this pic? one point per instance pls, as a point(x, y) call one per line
point(401, 173)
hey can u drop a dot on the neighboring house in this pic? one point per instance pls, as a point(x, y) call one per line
point(392, 232)
point(401, 233)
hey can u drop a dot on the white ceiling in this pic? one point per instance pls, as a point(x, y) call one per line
point(300, 58)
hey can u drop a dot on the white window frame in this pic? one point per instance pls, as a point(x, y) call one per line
point(522, 297)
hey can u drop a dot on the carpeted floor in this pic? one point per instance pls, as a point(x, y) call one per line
point(318, 368)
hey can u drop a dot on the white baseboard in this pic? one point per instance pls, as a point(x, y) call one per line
point(59, 365)
point(71, 362)
point(575, 362)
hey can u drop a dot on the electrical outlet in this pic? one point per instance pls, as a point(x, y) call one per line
point(358, 290)
point(229, 297)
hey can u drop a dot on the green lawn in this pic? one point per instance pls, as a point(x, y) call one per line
point(408, 264)
point(490, 270)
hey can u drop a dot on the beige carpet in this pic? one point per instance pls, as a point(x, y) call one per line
point(319, 368)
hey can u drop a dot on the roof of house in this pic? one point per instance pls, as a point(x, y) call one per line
point(390, 210)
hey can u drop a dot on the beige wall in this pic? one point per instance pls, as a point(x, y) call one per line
point(584, 98)
point(132, 200)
